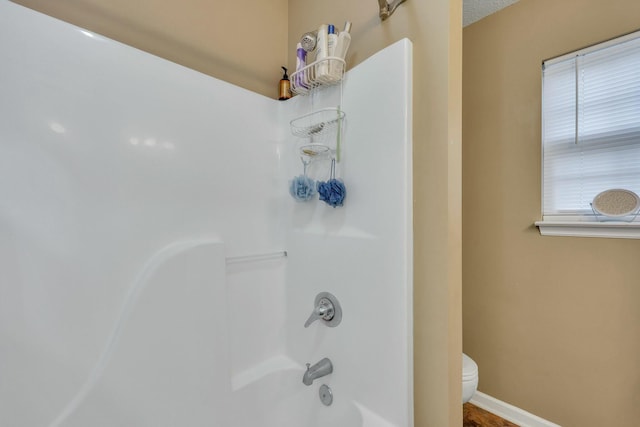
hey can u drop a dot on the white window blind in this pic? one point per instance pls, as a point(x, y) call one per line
point(591, 125)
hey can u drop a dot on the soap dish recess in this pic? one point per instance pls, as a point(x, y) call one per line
point(317, 123)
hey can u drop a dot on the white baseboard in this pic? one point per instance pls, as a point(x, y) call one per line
point(509, 412)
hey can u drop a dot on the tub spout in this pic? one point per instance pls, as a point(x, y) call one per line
point(320, 369)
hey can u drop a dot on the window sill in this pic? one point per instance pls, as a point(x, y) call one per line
point(611, 229)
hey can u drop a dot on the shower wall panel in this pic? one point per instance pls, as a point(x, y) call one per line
point(360, 252)
point(116, 165)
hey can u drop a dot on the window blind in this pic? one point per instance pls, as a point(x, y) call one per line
point(590, 125)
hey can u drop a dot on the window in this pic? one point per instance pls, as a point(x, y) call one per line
point(591, 132)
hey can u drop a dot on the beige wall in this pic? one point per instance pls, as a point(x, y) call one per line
point(221, 41)
point(239, 41)
point(553, 322)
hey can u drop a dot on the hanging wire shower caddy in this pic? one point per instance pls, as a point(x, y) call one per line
point(317, 123)
point(321, 130)
point(325, 72)
point(323, 127)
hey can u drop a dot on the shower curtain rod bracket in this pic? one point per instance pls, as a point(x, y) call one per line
point(387, 9)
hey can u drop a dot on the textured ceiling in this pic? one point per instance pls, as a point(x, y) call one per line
point(475, 10)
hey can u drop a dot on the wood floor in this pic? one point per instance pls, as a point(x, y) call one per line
point(477, 417)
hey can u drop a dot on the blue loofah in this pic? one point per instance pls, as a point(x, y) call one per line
point(332, 192)
point(302, 188)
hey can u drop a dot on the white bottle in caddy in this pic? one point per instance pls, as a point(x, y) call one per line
point(340, 51)
point(332, 41)
point(322, 52)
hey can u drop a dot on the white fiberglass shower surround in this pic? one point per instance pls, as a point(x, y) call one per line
point(155, 271)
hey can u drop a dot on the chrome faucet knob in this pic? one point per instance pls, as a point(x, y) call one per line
point(326, 308)
point(315, 315)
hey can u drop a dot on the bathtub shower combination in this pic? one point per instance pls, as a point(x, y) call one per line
point(155, 271)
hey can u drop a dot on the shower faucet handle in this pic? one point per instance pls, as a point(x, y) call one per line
point(324, 310)
point(327, 308)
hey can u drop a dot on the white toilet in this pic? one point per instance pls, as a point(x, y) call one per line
point(469, 378)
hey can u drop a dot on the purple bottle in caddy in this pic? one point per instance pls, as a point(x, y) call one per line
point(301, 62)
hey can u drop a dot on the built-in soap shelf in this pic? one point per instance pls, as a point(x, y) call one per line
point(325, 72)
point(320, 123)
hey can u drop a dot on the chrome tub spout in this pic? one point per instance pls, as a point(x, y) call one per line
point(320, 369)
